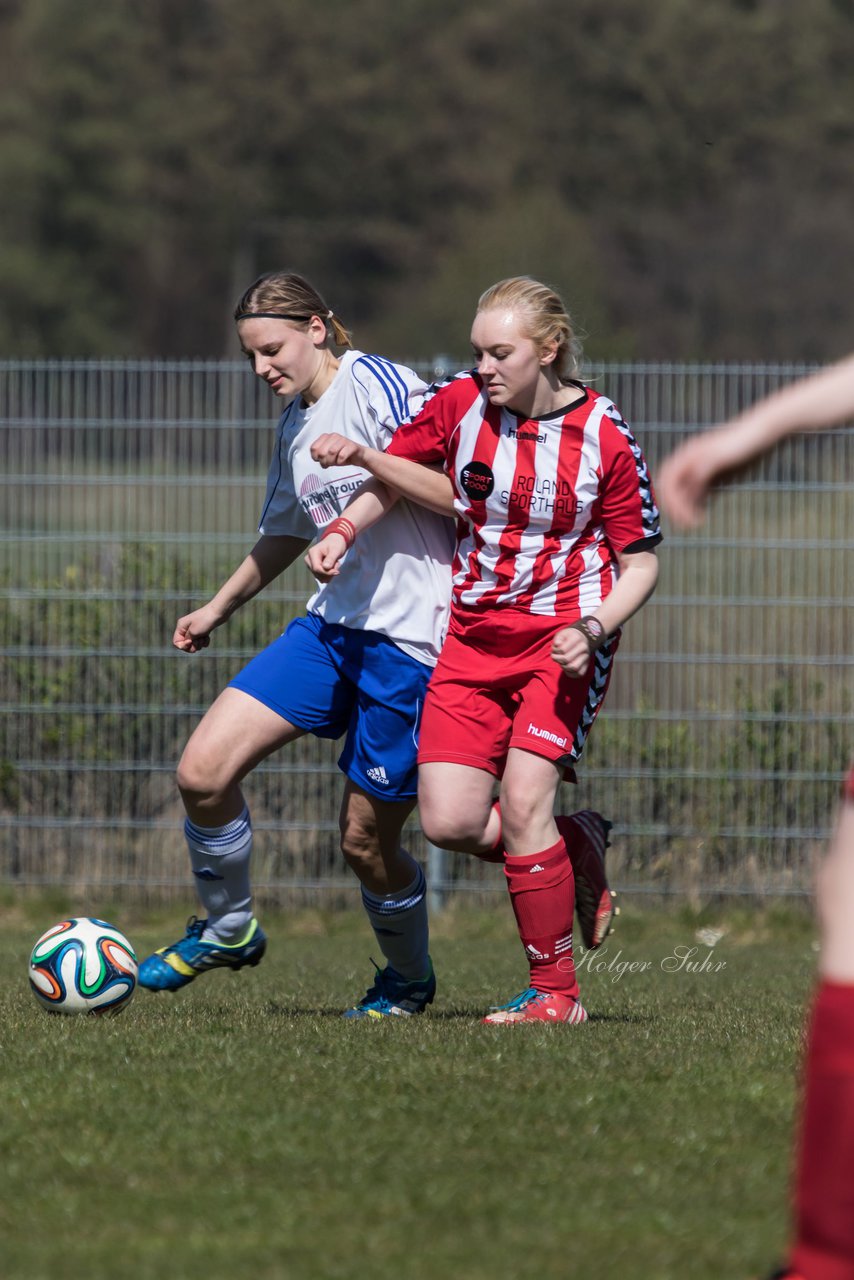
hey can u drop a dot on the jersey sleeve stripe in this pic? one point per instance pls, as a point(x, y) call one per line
point(391, 382)
point(649, 510)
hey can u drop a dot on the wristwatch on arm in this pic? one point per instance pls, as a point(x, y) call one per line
point(592, 630)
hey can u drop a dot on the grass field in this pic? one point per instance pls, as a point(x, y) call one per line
point(241, 1128)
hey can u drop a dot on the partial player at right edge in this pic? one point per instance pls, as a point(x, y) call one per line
point(823, 1246)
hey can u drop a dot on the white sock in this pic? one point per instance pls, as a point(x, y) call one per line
point(219, 857)
point(399, 921)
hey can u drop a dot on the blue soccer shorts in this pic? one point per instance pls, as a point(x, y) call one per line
point(332, 680)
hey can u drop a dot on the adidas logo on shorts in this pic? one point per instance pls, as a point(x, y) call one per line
point(378, 774)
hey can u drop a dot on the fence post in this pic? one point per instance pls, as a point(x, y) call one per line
point(436, 868)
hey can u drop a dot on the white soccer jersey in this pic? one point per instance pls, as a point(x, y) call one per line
point(396, 578)
point(545, 503)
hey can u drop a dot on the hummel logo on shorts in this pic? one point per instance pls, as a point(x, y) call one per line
point(378, 774)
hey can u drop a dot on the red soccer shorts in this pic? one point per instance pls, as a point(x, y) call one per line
point(496, 686)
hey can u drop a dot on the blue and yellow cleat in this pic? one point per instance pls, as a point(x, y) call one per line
point(393, 996)
point(174, 966)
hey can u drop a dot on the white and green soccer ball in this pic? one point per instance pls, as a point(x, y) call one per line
point(83, 966)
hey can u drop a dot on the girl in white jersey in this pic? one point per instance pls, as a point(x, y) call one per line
point(356, 665)
point(556, 529)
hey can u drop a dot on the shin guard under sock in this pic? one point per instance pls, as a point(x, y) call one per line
point(219, 857)
point(399, 922)
point(542, 891)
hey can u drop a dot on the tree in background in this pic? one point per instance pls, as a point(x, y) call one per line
point(666, 167)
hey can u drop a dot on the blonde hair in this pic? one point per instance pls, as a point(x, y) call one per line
point(544, 318)
point(283, 295)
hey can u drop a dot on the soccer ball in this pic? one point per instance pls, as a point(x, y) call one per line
point(83, 966)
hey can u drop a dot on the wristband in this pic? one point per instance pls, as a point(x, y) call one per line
point(345, 527)
point(592, 630)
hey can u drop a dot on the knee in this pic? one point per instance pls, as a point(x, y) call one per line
point(519, 809)
point(516, 809)
point(359, 847)
point(197, 777)
point(452, 828)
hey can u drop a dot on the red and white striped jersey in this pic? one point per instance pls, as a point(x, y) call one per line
point(544, 504)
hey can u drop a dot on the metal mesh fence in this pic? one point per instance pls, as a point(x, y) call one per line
point(130, 490)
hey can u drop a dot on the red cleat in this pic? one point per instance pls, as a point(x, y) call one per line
point(586, 837)
point(538, 1006)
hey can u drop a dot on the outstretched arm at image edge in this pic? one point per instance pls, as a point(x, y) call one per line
point(820, 400)
point(270, 556)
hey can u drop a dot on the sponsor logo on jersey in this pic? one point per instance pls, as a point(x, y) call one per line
point(542, 494)
point(536, 732)
point(323, 501)
point(378, 774)
point(477, 480)
point(526, 435)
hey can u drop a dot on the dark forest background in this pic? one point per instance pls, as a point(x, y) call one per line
point(683, 172)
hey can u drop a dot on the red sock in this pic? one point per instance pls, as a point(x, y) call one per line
point(542, 890)
point(824, 1192)
point(498, 852)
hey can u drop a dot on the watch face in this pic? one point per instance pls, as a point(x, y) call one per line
point(595, 627)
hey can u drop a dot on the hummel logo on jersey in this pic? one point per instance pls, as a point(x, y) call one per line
point(536, 867)
point(526, 435)
point(378, 774)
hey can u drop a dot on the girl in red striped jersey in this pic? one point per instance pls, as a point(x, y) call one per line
point(556, 530)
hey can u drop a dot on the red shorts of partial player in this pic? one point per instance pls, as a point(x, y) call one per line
point(497, 686)
point(848, 785)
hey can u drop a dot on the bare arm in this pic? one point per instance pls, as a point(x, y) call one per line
point(364, 509)
point(393, 478)
point(636, 583)
point(820, 400)
point(428, 486)
point(267, 559)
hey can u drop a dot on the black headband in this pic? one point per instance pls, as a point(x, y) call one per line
point(279, 315)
